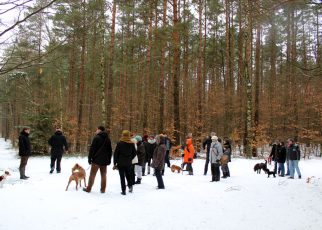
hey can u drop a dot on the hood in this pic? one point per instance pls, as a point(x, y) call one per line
point(189, 141)
point(102, 134)
point(59, 133)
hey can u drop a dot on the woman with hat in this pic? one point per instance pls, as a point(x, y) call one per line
point(215, 154)
point(123, 155)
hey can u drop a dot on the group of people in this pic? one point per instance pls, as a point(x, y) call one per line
point(289, 154)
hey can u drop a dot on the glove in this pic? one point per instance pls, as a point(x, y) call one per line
point(89, 161)
point(182, 155)
point(217, 161)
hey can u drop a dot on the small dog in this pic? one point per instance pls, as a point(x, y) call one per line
point(259, 166)
point(78, 174)
point(3, 178)
point(175, 168)
point(269, 172)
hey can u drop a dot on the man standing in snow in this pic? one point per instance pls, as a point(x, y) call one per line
point(295, 154)
point(216, 152)
point(100, 154)
point(24, 152)
point(158, 160)
point(206, 145)
point(58, 145)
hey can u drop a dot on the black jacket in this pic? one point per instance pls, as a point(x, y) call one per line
point(24, 144)
point(149, 149)
point(294, 152)
point(281, 154)
point(207, 144)
point(100, 152)
point(57, 143)
point(273, 152)
point(141, 153)
point(124, 153)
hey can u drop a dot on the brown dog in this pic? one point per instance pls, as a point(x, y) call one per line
point(78, 174)
point(175, 168)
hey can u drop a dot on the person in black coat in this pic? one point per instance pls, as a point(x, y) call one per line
point(100, 154)
point(123, 155)
point(206, 145)
point(273, 156)
point(58, 145)
point(281, 158)
point(24, 151)
point(149, 145)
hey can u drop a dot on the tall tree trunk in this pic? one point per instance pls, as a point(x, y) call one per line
point(175, 74)
point(162, 71)
point(81, 83)
point(111, 70)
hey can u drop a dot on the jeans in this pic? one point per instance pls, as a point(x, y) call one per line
point(294, 165)
point(281, 169)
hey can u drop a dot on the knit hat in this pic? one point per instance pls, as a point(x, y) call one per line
point(214, 138)
point(126, 136)
point(126, 133)
point(138, 138)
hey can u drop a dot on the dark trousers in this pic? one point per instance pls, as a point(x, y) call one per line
point(125, 172)
point(92, 176)
point(206, 164)
point(215, 172)
point(22, 167)
point(158, 175)
point(167, 158)
point(275, 167)
point(144, 166)
point(57, 159)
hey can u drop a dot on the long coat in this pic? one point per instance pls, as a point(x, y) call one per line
point(124, 153)
point(100, 152)
point(141, 153)
point(24, 144)
point(58, 143)
point(189, 151)
point(159, 156)
point(216, 152)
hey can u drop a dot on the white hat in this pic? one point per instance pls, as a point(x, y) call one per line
point(214, 138)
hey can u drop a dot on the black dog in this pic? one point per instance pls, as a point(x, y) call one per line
point(269, 172)
point(259, 166)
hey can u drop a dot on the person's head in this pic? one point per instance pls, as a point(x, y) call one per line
point(138, 138)
point(214, 139)
point(100, 129)
point(126, 134)
point(212, 134)
point(189, 135)
point(26, 130)
point(290, 141)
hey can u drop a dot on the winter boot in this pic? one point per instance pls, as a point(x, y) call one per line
point(138, 181)
point(123, 193)
point(148, 169)
point(131, 189)
point(224, 175)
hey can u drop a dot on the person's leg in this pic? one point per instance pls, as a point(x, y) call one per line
point(167, 158)
point(22, 167)
point(212, 167)
point(52, 163)
point(217, 172)
point(158, 175)
point(91, 179)
point(291, 165)
point(206, 164)
point(58, 168)
point(296, 166)
point(282, 169)
point(103, 178)
point(129, 177)
point(122, 179)
point(275, 166)
point(288, 168)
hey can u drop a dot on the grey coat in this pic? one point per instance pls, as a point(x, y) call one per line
point(216, 152)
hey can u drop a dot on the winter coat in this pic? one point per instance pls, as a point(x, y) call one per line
point(57, 143)
point(189, 151)
point(227, 152)
point(149, 149)
point(274, 152)
point(140, 153)
point(294, 152)
point(281, 155)
point(124, 154)
point(100, 152)
point(159, 155)
point(207, 144)
point(216, 152)
point(24, 144)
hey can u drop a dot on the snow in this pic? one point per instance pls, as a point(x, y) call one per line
point(246, 200)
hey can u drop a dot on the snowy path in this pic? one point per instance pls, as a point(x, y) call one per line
point(188, 202)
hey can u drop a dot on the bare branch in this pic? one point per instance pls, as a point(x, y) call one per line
point(27, 17)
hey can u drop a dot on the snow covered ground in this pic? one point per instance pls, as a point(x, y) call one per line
point(246, 200)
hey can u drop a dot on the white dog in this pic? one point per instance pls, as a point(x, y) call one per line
point(3, 178)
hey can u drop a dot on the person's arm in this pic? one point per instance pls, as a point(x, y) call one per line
point(116, 154)
point(65, 144)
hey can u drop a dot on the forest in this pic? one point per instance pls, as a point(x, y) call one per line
point(249, 70)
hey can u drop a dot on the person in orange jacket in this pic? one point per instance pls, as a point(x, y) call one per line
point(189, 152)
